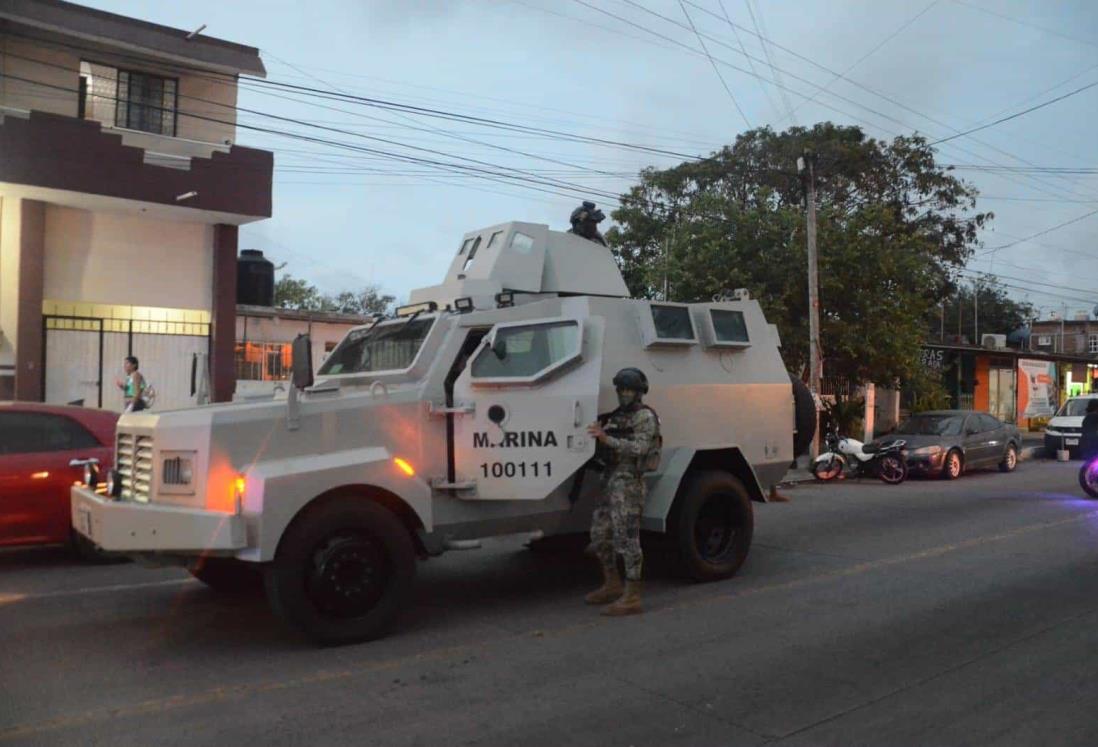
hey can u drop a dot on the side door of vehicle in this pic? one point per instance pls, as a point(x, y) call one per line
point(977, 451)
point(533, 387)
point(996, 433)
point(35, 476)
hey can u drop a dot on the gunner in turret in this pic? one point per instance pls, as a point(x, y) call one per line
point(585, 222)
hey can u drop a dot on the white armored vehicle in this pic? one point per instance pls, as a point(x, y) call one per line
point(463, 417)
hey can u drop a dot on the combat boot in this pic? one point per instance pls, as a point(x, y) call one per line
point(610, 590)
point(629, 603)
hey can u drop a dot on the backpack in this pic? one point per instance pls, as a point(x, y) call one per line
point(148, 394)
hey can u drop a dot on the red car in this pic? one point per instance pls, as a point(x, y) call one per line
point(37, 443)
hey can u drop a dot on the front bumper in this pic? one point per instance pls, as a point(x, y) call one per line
point(1056, 441)
point(927, 465)
point(122, 526)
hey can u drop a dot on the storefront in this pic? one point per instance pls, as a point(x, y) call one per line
point(1015, 386)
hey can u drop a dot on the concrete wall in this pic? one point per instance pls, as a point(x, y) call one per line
point(259, 329)
point(123, 258)
point(209, 95)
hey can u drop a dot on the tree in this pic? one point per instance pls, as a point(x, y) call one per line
point(893, 229)
point(998, 312)
point(300, 295)
point(370, 300)
point(297, 294)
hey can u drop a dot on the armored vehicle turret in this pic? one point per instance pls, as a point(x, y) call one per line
point(463, 416)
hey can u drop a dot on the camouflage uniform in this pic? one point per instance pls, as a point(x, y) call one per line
point(615, 525)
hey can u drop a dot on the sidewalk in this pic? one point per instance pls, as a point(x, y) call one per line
point(1033, 447)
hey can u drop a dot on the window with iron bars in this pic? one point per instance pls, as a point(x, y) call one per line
point(128, 98)
point(263, 361)
point(1092, 344)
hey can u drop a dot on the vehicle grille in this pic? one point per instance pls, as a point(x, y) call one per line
point(1068, 429)
point(134, 457)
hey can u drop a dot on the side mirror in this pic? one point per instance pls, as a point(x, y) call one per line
point(302, 361)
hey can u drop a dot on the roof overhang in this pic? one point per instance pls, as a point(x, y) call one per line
point(123, 33)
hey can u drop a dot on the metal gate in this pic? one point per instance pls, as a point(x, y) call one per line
point(82, 359)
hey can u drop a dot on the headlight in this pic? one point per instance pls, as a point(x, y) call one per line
point(927, 451)
point(114, 484)
point(91, 475)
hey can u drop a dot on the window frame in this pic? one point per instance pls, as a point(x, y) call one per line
point(1092, 343)
point(713, 340)
point(650, 334)
point(535, 378)
point(128, 102)
point(433, 318)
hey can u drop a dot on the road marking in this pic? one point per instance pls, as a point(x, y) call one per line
point(173, 702)
point(9, 598)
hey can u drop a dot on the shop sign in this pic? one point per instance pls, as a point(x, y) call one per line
point(1039, 380)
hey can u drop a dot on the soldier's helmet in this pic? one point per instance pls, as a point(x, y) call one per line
point(632, 379)
point(586, 212)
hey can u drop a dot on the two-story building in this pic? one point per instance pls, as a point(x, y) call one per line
point(121, 193)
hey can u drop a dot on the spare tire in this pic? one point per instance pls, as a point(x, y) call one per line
point(804, 417)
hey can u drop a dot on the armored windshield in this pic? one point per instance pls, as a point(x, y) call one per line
point(389, 347)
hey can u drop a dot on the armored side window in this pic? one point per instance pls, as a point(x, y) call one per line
point(494, 238)
point(729, 327)
point(465, 245)
point(666, 324)
point(672, 322)
point(522, 243)
point(526, 353)
point(472, 254)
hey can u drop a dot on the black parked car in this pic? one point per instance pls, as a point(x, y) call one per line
point(947, 442)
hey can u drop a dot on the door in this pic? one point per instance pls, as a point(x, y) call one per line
point(35, 476)
point(975, 441)
point(73, 365)
point(1001, 392)
point(534, 388)
point(994, 433)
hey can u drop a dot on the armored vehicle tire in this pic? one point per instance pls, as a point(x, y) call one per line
point(804, 414)
point(227, 575)
point(713, 525)
point(342, 572)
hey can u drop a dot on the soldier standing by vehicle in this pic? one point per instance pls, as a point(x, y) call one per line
point(628, 443)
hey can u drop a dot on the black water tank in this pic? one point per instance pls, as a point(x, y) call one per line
point(255, 279)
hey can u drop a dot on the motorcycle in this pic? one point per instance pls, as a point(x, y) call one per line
point(1088, 477)
point(848, 456)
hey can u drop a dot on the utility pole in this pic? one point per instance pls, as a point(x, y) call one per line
point(806, 165)
point(975, 312)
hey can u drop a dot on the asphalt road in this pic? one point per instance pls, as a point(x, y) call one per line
point(931, 613)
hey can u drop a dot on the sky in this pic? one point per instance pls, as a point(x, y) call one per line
point(633, 71)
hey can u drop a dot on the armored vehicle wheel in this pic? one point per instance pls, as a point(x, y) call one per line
point(713, 526)
point(804, 413)
point(342, 572)
point(227, 575)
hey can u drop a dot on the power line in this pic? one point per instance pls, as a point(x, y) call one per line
point(1020, 22)
point(716, 69)
point(999, 121)
point(750, 62)
point(770, 60)
point(867, 55)
point(1057, 227)
point(808, 60)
